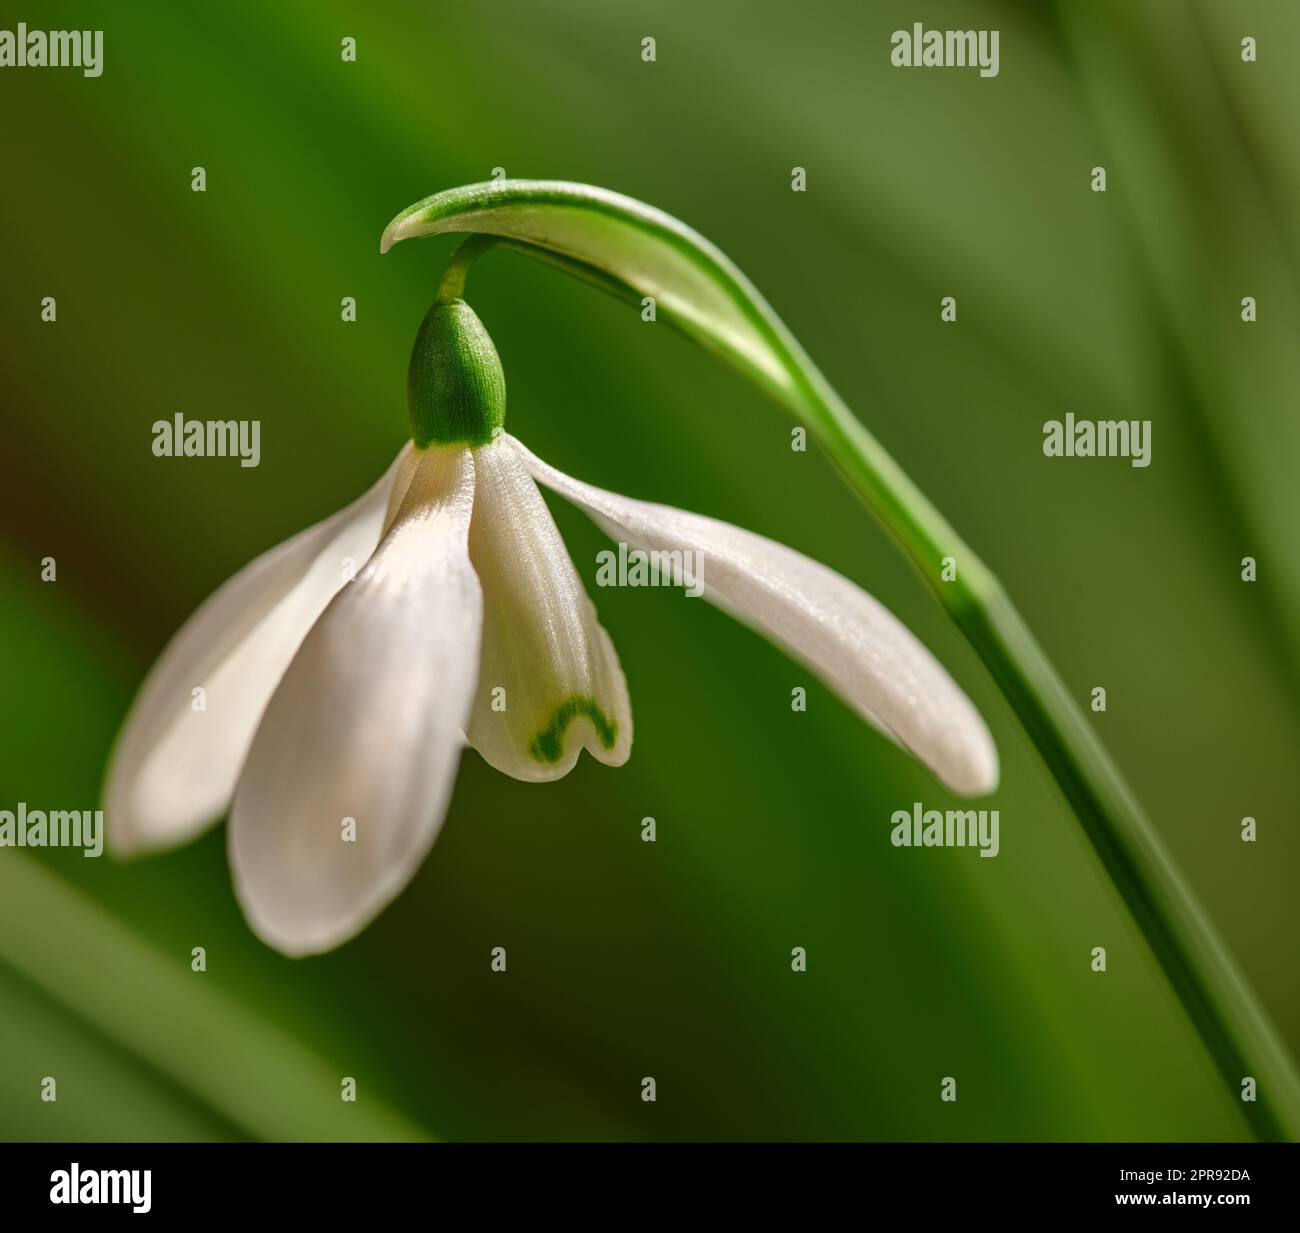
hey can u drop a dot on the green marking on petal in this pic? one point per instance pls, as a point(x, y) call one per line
point(548, 744)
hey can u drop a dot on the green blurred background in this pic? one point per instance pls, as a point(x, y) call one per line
point(673, 960)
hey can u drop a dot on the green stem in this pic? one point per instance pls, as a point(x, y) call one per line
point(1231, 1023)
point(454, 277)
point(1233, 1026)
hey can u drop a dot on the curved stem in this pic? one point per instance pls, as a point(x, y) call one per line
point(1224, 1010)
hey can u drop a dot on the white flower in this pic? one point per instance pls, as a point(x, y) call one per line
point(329, 700)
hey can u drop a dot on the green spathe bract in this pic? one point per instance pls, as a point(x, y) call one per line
point(455, 388)
point(634, 250)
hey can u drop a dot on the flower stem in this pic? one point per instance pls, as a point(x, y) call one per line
point(454, 277)
point(1233, 1026)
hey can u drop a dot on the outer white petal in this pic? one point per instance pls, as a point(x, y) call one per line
point(542, 642)
point(366, 724)
point(859, 648)
point(173, 770)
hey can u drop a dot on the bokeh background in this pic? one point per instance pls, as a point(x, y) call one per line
point(673, 959)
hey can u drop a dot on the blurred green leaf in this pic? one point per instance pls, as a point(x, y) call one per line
point(172, 1019)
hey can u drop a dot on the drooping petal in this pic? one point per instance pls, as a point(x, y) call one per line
point(859, 648)
point(173, 770)
point(353, 764)
point(550, 682)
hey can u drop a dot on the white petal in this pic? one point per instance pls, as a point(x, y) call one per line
point(545, 655)
point(173, 770)
point(366, 725)
point(859, 648)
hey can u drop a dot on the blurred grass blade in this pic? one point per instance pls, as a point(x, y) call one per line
point(625, 245)
point(175, 1021)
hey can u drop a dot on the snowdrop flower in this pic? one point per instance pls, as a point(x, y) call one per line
point(336, 702)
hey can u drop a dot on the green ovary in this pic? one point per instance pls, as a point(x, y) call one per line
point(548, 744)
point(456, 389)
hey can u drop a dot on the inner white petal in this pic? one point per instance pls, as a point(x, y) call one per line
point(550, 682)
